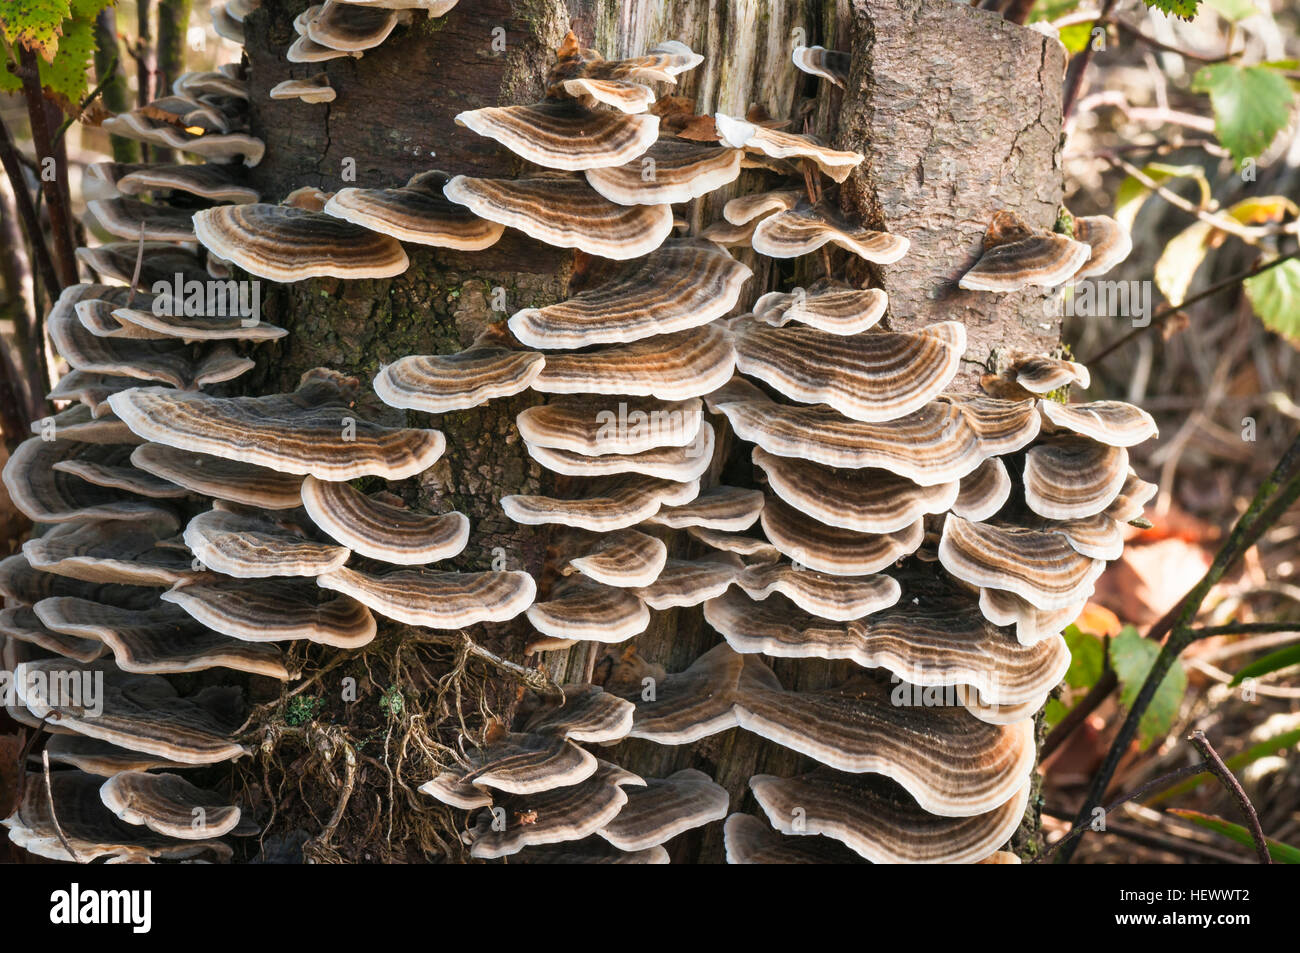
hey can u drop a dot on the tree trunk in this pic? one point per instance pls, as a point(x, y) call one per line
point(957, 111)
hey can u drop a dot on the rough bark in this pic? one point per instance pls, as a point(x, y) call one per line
point(930, 83)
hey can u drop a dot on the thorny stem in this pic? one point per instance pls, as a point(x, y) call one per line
point(1229, 780)
point(1168, 311)
point(1278, 491)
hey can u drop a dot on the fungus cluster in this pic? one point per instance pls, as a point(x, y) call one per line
point(934, 542)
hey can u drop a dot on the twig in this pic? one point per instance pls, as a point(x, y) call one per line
point(1247, 233)
point(1168, 311)
point(1229, 780)
point(54, 817)
point(1136, 32)
point(1186, 771)
point(1278, 491)
point(1242, 628)
point(60, 218)
point(9, 157)
point(1079, 66)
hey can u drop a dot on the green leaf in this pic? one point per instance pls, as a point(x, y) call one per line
point(1252, 104)
point(66, 74)
point(1076, 36)
point(1132, 656)
point(1178, 262)
point(1281, 853)
point(1052, 9)
point(35, 24)
point(1272, 662)
point(1275, 296)
point(1282, 742)
point(1233, 10)
point(1087, 659)
point(1179, 8)
point(1131, 193)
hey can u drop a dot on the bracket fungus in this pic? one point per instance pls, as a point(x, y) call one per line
point(417, 212)
point(286, 244)
point(674, 366)
point(564, 134)
point(277, 609)
point(669, 172)
point(830, 65)
point(373, 527)
point(436, 600)
point(313, 89)
point(806, 228)
point(566, 212)
point(752, 137)
point(1017, 256)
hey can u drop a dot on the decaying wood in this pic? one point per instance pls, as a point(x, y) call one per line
point(957, 110)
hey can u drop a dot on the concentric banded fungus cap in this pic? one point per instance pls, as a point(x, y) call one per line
point(225, 25)
point(589, 850)
point(114, 471)
point(192, 327)
point(744, 209)
point(160, 132)
point(46, 493)
point(372, 527)
point(682, 285)
point(23, 625)
point(78, 424)
point(128, 552)
point(437, 383)
point(313, 430)
point(516, 763)
point(749, 841)
point(554, 816)
point(941, 442)
point(418, 212)
point(690, 582)
point(952, 763)
point(101, 758)
point(939, 642)
point(143, 712)
point(313, 89)
point(167, 804)
point(287, 244)
point(806, 228)
point(1071, 477)
point(830, 65)
point(1108, 241)
point(228, 79)
point(1032, 625)
point(662, 63)
point(983, 492)
point(346, 26)
point(673, 366)
point(161, 261)
point(586, 713)
point(252, 546)
point(1017, 256)
point(721, 507)
point(832, 549)
point(597, 425)
point(68, 822)
point(750, 548)
point(275, 610)
point(27, 586)
point(1111, 422)
point(1097, 536)
point(159, 640)
point(837, 598)
point(625, 558)
point(669, 172)
point(90, 388)
point(664, 808)
point(1132, 498)
point(128, 218)
point(564, 134)
point(879, 821)
point(829, 308)
point(867, 501)
point(605, 503)
point(689, 705)
point(566, 212)
point(306, 50)
point(1040, 374)
point(223, 479)
point(680, 464)
point(751, 137)
point(1039, 566)
point(584, 610)
point(438, 600)
point(870, 377)
point(207, 180)
point(624, 96)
